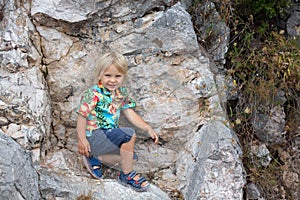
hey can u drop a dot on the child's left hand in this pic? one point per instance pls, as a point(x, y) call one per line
point(136, 120)
point(152, 134)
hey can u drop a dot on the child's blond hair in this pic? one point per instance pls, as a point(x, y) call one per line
point(111, 58)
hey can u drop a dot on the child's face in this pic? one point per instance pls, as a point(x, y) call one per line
point(112, 78)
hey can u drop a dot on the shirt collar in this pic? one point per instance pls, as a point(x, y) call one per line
point(107, 92)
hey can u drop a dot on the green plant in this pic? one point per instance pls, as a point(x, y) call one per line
point(267, 9)
point(262, 62)
point(261, 73)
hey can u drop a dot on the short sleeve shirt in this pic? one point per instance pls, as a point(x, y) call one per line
point(101, 109)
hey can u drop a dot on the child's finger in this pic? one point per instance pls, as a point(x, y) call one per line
point(155, 138)
point(89, 148)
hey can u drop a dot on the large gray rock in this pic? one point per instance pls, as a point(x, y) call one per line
point(24, 98)
point(210, 166)
point(269, 126)
point(18, 178)
point(293, 22)
point(213, 33)
point(60, 176)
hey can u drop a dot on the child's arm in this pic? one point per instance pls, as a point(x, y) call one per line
point(83, 145)
point(137, 121)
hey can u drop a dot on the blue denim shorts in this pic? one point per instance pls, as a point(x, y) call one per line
point(109, 141)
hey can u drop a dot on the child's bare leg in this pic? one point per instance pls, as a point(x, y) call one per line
point(127, 158)
point(127, 155)
point(112, 160)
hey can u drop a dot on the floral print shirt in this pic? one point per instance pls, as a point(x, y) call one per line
point(102, 109)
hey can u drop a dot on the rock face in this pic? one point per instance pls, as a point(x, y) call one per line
point(293, 23)
point(211, 164)
point(48, 53)
point(270, 128)
point(19, 179)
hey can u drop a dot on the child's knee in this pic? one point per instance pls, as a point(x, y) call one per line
point(133, 137)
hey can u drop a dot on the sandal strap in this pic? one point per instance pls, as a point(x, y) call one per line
point(128, 179)
point(131, 175)
point(141, 180)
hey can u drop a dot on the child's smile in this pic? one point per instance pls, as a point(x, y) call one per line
point(112, 78)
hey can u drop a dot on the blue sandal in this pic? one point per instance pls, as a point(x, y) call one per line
point(94, 166)
point(128, 181)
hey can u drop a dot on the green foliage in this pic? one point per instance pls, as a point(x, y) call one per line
point(262, 69)
point(262, 61)
point(263, 9)
point(259, 16)
point(266, 177)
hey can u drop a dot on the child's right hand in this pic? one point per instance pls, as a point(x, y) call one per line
point(84, 147)
point(83, 144)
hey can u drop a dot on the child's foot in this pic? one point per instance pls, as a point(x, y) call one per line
point(94, 166)
point(133, 180)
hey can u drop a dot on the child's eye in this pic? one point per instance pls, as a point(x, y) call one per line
point(118, 76)
point(107, 75)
